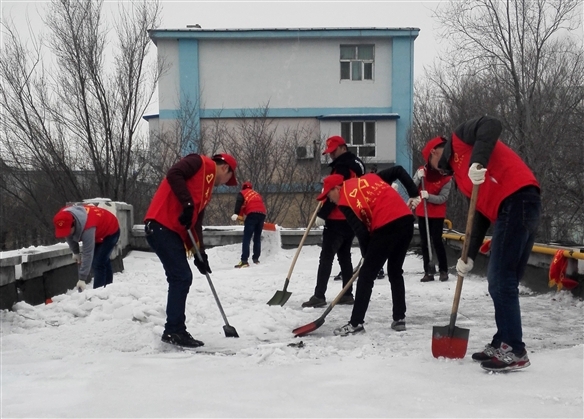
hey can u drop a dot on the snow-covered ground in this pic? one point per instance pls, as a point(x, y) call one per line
point(98, 353)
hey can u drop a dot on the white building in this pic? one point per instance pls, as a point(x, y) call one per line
point(354, 82)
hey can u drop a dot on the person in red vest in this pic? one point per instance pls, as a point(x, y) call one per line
point(436, 194)
point(249, 204)
point(384, 225)
point(99, 230)
point(337, 236)
point(509, 198)
point(179, 205)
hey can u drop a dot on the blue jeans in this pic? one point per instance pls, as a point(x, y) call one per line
point(170, 249)
point(253, 225)
point(103, 273)
point(513, 237)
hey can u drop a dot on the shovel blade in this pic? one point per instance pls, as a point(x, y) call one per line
point(280, 298)
point(230, 332)
point(308, 328)
point(449, 344)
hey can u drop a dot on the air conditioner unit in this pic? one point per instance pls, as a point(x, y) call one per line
point(305, 152)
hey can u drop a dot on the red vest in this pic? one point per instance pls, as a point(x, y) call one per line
point(252, 202)
point(336, 213)
point(105, 222)
point(165, 207)
point(433, 186)
point(375, 202)
point(506, 174)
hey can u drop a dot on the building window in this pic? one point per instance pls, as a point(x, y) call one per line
point(357, 62)
point(360, 137)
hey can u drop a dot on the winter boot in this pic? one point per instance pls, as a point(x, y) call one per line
point(380, 274)
point(347, 299)
point(338, 277)
point(256, 261)
point(349, 329)
point(443, 276)
point(314, 301)
point(486, 354)
point(181, 339)
point(506, 360)
point(399, 325)
point(427, 278)
point(242, 264)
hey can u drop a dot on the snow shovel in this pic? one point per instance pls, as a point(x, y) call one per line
point(230, 331)
point(281, 297)
point(427, 229)
point(451, 341)
point(311, 327)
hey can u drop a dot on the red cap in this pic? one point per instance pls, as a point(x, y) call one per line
point(329, 183)
point(63, 222)
point(246, 185)
point(230, 160)
point(431, 145)
point(332, 143)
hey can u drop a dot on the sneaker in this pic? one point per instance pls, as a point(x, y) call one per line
point(256, 261)
point(427, 278)
point(338, 277)
point(242, 264)
point(443, 276)
point(399, 325)
point(506, 360)
point(486, 354)
point(314, 302)
point(381, 274)
point(347, 299)
point(349, 329)
point(181, 339)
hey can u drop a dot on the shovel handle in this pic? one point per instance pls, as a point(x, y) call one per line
point(427, 225)
point(343, 291)
point(464, 256)
point(310, 224)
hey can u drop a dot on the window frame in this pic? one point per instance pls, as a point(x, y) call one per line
point(356, 66)
point(368, 129)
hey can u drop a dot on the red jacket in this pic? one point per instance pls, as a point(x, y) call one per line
point(165, 207)
point(105, 222)
point(434, 185)
point(374, 201)
point(506, 174)
point(252, 202)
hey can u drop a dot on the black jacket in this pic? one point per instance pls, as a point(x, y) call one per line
point(342, 165)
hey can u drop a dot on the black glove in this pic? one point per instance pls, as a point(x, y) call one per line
point(186, 218)
point(202, 266)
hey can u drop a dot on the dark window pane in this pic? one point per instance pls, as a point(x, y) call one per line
point(366, 151)
point(370, 132)
point(368, 71)
point(347, 52)
point(352, 150)
point(365, 52)
point(356, 70)
point(357, 132)
point(346, 131)
point(345, 70)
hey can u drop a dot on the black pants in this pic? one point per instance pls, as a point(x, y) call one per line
point(337, 239)
point(436, 225)
point(388, 243)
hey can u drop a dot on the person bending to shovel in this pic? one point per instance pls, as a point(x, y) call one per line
point(384, 226)
point(435, 190)
point(249, 203)
point(178, 204)
point(509, 197)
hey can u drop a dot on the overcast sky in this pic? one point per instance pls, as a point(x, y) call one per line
point(217, 14)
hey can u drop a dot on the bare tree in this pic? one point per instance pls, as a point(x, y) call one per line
point(515, 60)
point(76, 123)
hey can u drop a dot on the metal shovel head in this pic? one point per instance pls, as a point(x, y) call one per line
point(449, 345)
point(310, 327)
point(230, 332)
point(280, 298)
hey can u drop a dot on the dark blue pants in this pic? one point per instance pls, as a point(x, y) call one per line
point(388, 243)
point(513, 237)
point(103, 272)
point(253, 226)
point(337, 239)
point(170, 249)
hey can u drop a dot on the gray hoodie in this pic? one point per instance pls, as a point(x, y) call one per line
point(80, 234)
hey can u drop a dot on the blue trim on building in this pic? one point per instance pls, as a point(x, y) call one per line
point(302, 33)
point(319, 113)
point(402, 88)
point(188, 67)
